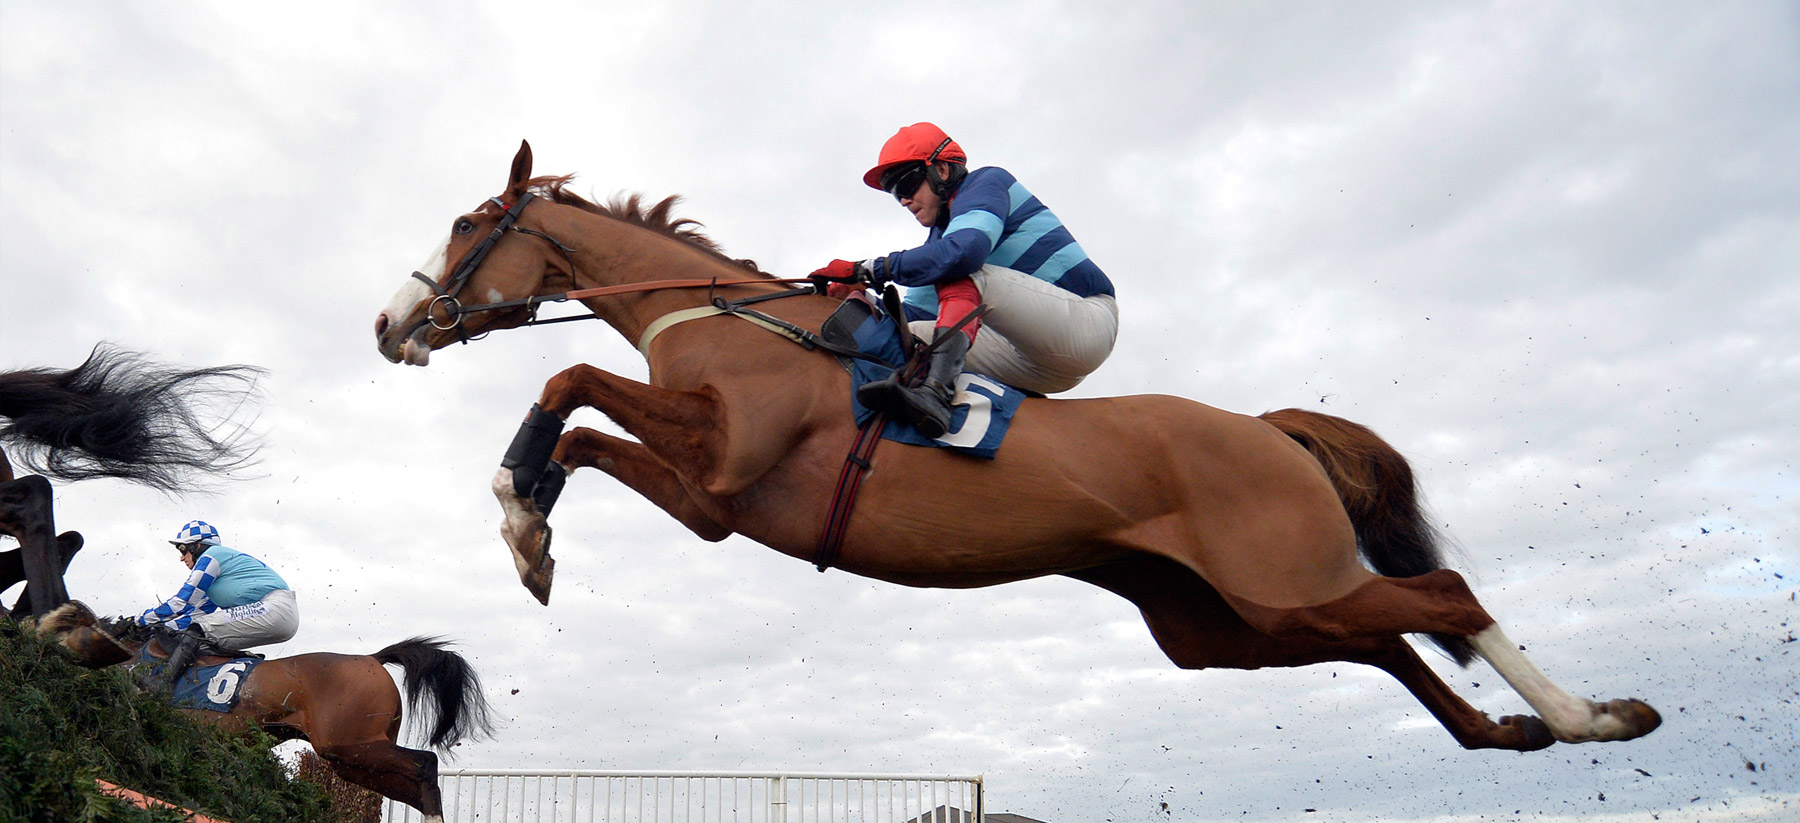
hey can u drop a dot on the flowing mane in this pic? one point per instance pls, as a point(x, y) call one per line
point(630, 209)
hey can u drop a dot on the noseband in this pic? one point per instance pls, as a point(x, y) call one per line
point(454, 310)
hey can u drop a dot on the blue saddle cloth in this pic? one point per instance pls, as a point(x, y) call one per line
point(215, 688)
point(980, 413)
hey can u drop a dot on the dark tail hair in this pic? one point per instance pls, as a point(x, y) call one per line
point(119, 414)
point(1377, 487)
point(441, 687)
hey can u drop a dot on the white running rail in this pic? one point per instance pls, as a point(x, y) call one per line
point(587, 796)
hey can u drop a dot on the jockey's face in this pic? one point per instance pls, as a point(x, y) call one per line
point(926, 206)
point(189, 559)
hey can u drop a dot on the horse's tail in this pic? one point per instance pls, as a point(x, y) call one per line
point(441, 687)
point(122, 415)
point(1376, 486)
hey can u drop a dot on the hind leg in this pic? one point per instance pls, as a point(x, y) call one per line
point(406, 775)
point(1198, 629)
point(1572, 719)
point(1440, 603)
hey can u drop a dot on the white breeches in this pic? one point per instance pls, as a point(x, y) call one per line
point(273, 619)
point(1036, 336)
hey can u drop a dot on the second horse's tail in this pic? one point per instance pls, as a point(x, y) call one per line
point(1376, 486)
point(122, 415)
point(441, 687)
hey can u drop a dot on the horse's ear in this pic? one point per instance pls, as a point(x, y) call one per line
point(521, 169)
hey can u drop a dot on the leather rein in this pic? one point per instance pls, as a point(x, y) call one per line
point(455, 311)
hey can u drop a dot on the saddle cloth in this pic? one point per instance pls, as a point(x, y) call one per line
point(215, 688)
point(980, 414)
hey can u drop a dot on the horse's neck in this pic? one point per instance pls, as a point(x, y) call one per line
point(614, 252)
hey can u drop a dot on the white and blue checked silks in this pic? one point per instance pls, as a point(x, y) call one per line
point(222, 578)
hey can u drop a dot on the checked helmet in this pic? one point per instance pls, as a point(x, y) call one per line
point(197, 531)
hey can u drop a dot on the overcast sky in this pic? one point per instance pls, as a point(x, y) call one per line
point(1550, 251)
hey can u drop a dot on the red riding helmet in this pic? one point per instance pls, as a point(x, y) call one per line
point(917, 143)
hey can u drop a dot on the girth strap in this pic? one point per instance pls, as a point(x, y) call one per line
point(843, 497)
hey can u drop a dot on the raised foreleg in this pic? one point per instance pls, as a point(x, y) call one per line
point(1439, 602)
point(634, 465)
point(682, 435)
point(685, 430)
point(527, 528)
point(1198, 629)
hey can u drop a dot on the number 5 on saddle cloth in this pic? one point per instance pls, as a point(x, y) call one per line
point(980, 413)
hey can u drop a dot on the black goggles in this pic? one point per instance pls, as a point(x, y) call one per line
point(903, 181)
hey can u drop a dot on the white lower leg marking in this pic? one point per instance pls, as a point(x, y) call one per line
point(1571, 719)
point(519, 512)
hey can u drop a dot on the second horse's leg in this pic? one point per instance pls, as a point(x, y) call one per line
point(12, 568)
point(26, 514)
point(406, 775)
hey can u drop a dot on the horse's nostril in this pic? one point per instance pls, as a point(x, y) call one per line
point(381, 325)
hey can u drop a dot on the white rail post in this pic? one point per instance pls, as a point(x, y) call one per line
point(778, 800)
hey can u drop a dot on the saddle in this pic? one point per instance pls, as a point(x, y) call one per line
point(163, 641)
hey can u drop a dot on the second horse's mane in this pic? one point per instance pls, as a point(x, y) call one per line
point(631, 209)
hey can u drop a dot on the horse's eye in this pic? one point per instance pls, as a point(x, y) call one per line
point(463, 226)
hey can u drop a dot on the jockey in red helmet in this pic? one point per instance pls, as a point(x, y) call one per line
point(1052, 317)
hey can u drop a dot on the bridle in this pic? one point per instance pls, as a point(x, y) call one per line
point(465, 269)
point(455, 311)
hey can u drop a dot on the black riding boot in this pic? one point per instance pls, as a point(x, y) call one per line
point(926, 406)
point(182, 656)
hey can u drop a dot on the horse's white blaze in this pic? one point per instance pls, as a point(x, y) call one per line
point(412, 293)
point(1571, 719)
point(494, 296)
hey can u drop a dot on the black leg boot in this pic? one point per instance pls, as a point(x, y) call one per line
point(927, 406)
point(182, 656)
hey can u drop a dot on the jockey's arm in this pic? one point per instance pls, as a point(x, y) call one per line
point(976, 223)
point(191, 597)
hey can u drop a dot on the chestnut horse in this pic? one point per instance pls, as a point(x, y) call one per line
point(345, 705)
point(1237, 537)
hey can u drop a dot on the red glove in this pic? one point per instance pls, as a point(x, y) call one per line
point(842, 271)
point(840, 278)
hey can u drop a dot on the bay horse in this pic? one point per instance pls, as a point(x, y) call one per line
point(119, 415)
point(345, 705)
point(1237, 537)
